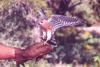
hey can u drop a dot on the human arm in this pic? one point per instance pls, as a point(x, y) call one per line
point(22, 55)
point(6, 52)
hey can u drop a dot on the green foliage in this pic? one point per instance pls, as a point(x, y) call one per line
point(15, 22)
point(16, 28)
point(3, 3)
point(97, 58)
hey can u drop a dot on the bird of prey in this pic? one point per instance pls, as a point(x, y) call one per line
point(50, 25)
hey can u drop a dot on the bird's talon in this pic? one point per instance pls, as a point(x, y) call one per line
point(42, 37)
point(45, 43)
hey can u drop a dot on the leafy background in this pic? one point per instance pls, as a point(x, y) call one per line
point(76, 48)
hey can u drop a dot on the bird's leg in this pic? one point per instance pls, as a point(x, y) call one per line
point(48, 35)
point(45, 42)
point(43, 36)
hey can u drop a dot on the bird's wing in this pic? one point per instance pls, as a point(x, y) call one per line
point(58, 21)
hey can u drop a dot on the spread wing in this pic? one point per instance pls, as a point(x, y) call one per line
point(58, 21)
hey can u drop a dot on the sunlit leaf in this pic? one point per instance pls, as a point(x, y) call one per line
point(88, 47)
point(97, 58)
point(93, 40)
point(86, 35)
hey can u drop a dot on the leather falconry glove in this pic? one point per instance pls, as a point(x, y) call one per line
point(34, 51)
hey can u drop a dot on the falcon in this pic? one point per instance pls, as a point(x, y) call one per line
point(55, 22)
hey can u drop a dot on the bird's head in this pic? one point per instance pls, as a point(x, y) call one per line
point(42, 13)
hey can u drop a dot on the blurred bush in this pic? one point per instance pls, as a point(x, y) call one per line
point(16, 25)
point(16, 29)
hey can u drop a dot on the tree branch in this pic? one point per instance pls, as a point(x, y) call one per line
point(89, 29)
point(74, 4)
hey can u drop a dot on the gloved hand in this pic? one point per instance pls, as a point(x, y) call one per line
point(31, 52)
